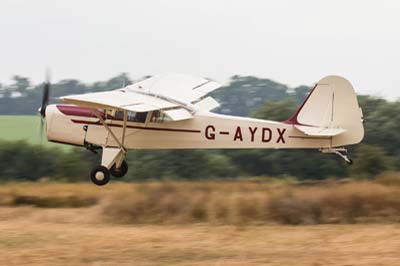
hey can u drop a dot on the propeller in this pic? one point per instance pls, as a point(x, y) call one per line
point(45, 102)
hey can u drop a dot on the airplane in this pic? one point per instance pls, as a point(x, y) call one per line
point(175, 112)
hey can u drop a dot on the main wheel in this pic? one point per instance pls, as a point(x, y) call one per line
point(121, 171)
point(100, 175)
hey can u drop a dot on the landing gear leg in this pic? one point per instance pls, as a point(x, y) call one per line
point(342, 152)
point(112, 162)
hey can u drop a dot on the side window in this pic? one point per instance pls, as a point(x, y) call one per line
point(137, 117)
point(159, 117)
point(132, 116)
point(119, 115)
point(109, 113)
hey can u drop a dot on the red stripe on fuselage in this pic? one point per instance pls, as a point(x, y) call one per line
point(73, 110)
point(137, 127)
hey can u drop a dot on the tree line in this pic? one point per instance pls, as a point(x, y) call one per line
point(244, 95)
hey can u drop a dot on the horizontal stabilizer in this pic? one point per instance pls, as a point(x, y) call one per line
point(320, 131)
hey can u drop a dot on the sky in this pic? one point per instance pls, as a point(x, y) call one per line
point(292, 42)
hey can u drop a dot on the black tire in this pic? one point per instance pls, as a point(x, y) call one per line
point(100, 170)
point(119, 172)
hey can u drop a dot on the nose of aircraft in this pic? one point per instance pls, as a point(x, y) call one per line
point(47, 117)
point(50, 110)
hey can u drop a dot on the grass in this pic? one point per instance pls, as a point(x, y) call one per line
point(49, 195)
point(256, 203)
point(54, 202)
point(219, 202)
point(24, 127)
point(200, 223)
point(68, 240)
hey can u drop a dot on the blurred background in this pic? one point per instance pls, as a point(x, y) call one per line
point(201, 207)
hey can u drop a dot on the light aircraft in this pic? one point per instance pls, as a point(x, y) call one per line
point(174, 112)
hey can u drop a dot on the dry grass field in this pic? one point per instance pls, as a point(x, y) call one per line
point(200, 223)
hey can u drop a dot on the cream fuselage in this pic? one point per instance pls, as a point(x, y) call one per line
point(79, 126)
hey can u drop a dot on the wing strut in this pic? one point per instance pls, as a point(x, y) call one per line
point(124, 127)
point(121, 146)
point(112, 155)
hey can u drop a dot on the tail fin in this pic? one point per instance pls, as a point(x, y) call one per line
point(331, 109)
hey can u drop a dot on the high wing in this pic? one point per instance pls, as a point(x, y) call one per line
point(119, 99)
point(183, 88)
point(177, 96)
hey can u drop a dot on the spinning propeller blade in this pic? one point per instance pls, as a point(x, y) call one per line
point(45, 102)
point(45, 95)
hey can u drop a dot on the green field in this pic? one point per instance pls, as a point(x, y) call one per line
point(24, 127)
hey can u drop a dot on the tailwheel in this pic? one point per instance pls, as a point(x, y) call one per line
point(349, 161)
point(121, 171)
point(100, 175)
point(345, 157)
point(342, 152)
